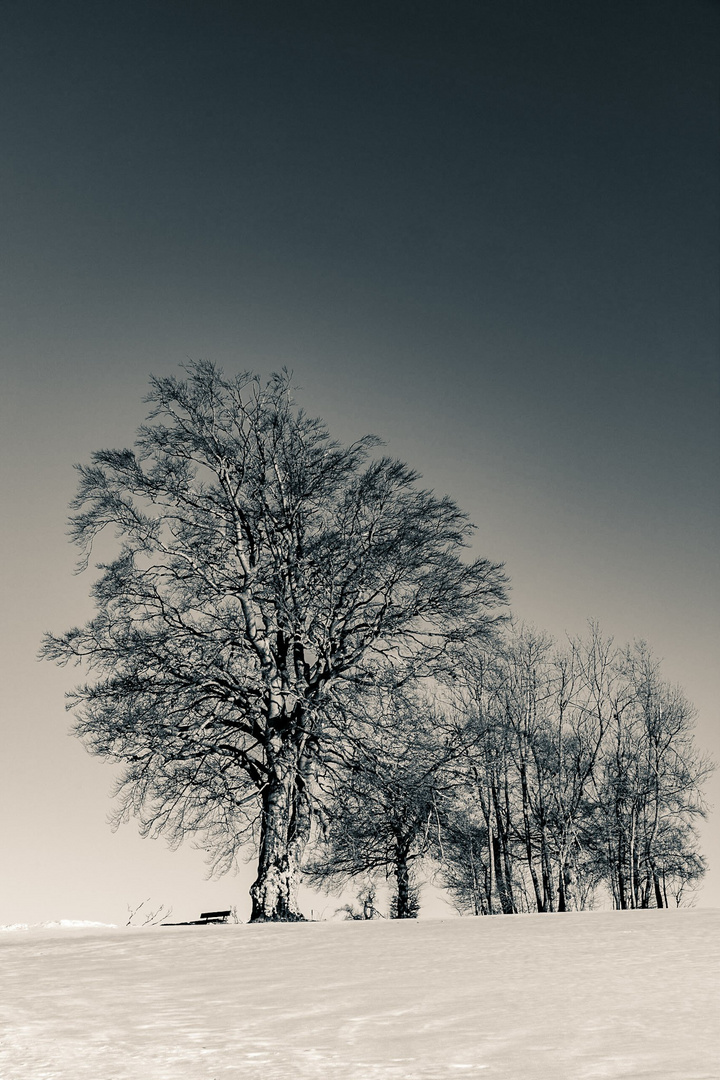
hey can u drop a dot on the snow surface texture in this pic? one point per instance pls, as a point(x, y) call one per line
point(524, 997)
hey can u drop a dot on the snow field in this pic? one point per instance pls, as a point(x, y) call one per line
point(528, 997)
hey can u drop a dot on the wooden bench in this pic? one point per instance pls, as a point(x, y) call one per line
point(215, 916)
point(207, 918)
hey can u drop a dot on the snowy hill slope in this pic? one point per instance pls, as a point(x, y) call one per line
point(567, 997)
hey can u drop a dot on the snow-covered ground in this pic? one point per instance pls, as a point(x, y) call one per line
point(58, 924)
point(534, 997)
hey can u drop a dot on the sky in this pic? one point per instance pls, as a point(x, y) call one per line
point(485, 232)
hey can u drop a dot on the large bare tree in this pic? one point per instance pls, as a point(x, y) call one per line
point(262, 570)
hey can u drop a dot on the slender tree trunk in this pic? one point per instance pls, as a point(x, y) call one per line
point(664, 890)
point(622, 886)
point(651, 844)
point(503, 887)
point(491, 866)
point(528, 837)
point(632, 862)
point(658, 888)
point(402, 877)
point(562, 903)
point(567, 897)
point(505, 834)
point(477, 903)
point(611, 872)
point(506, 905)
point(548, 884)
point(489, 875)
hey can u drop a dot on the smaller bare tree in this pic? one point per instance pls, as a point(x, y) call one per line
point(383, 800)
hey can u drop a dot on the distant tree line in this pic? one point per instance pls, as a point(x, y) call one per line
point(292, 654)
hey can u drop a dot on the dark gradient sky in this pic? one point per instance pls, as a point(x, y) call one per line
point(485, 231)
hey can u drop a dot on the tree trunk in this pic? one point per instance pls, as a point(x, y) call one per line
point(500, 855)
point(402, 876)
point(658, 889)
point(632, 862)
point(567, 879)
point(545, 862)
point(475, 883)
point(506, 905)
point(505, 834)
point(491, 868)
point(620, 864)
point(274, 892)
point(528, 838)
point(623, 902)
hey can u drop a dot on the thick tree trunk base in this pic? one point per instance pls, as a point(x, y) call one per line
point(273, 897)
point(290, 916)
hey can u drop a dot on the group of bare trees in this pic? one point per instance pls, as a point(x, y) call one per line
point(291, 653)
point(526, 778)
point(580, 783)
